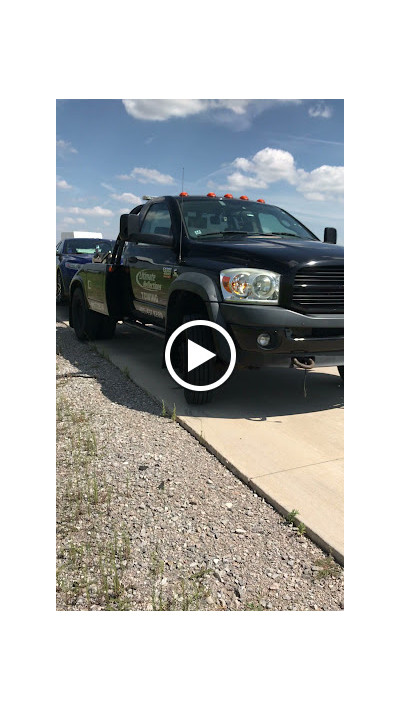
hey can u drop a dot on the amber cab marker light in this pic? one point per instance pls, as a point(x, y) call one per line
point(243, 197)
point(183, 194)
point(228, 195)
point(261, 200)
point(211, 195)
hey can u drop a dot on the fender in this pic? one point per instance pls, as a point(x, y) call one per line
point(207, 289)
point(200, 284)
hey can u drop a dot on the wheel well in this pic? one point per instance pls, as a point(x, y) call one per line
point(180, 304)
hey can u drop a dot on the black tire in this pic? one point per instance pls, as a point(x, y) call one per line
point(205, 373)
point(60, 296)
point(86, 322)
point(106, 327)
point(341, 371)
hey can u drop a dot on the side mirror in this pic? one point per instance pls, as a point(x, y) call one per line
point(129, 226)
point(330, 235)
point(133, 227)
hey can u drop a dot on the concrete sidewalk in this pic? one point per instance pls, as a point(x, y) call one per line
point(285, 445)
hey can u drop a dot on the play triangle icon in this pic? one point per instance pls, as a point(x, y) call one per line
point(197, 355)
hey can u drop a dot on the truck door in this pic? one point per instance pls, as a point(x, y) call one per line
point(95, 277)
point(151, 266)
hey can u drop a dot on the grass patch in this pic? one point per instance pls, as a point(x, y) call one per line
point(189, 594)
point(126, 372)
point(328, 568)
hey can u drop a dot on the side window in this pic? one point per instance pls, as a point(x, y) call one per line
point(157, 221)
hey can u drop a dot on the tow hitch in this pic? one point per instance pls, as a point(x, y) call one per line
point(303, 363)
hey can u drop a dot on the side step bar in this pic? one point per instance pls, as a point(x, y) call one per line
point(147, 328)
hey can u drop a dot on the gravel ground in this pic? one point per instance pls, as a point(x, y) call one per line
point(148, 519)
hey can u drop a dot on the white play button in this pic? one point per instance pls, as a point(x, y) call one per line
point(197, 355)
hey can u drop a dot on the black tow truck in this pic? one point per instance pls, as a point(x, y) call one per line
point(246, 265)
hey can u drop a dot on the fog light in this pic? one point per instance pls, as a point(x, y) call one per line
point(263, 340)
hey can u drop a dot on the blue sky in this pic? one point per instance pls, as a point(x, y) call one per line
point(110, 153)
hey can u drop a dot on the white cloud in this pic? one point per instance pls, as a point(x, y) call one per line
point(320, 110)
point(239, 181)
point(164, 109)
point(324, 183)
point(74, 221)
point(107, 186)
point(267, 166)
point(148, 175)
point(63, 185)
point(238, 106)
point(271, 165)
point(89, 211)
point(127, 197)
point(64, 147)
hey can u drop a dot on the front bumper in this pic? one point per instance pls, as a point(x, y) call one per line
point(293, 335)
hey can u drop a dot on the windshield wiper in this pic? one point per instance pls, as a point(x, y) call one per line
point(228, 233)
point(283, 234)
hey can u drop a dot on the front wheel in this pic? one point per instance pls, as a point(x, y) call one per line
point(203, 374)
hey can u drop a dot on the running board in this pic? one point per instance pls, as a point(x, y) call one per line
point(147, 328)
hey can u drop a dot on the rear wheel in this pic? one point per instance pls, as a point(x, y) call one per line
point(203, 374)
point(86, 323)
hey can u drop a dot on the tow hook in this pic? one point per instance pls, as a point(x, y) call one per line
point(303, 363)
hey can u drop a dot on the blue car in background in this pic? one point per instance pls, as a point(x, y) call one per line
point(71, 253)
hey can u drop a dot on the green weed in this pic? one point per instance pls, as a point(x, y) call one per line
point(328, 567)
point(290, 518)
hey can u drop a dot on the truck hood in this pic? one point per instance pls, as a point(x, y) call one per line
point(280, 255)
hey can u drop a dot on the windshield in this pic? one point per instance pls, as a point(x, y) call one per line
point(230, 218)
point(87, 246)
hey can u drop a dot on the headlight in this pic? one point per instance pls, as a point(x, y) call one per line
point(251, 285)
